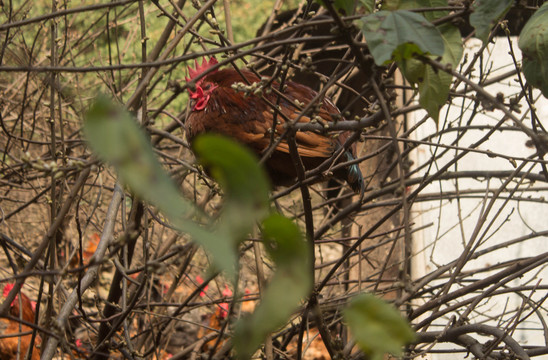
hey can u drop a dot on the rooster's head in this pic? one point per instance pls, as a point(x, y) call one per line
point(15, 303)
point(7, 289)
point(203, 88)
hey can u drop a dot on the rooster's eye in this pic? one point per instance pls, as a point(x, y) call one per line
point(207, 87)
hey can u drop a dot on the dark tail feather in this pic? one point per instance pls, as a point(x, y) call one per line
point(354, 176)
point(351, 174)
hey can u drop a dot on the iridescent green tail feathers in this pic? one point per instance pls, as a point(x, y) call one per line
point(354, 175)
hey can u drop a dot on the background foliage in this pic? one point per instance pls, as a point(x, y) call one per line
point(97, 219)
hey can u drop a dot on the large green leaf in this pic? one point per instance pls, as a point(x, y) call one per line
point(486, 14)
point(245, 184)
point(433, 85)
point(116, 138)
point(399, 35)
point(289, 285)
point(533, 42)
point(377, 326)
point(434, 91)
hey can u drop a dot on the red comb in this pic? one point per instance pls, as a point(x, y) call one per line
point(194, 73)
point(7, 289)
point(227, 292)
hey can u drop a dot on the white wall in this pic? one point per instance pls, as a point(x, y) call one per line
point(445, 239)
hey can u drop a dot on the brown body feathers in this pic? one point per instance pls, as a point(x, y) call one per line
point(223, 104)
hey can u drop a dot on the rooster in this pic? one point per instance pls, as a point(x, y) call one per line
point(232, 103)
point(17, 346)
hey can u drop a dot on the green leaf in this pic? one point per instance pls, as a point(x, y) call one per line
point(434, 90)
point(486, 14)
point(235, 168)
point(434, 85)
point(369, 6)
point(346, 7)
point(289, 285)
point(400, 35)
point(245, 184)
point(415, 35)
point(533, 42)
point(284, 242)
point(116, 138)
point(432, 15)
point(452, 43)
point(377, 326)
point(392, 5)
point(414, 70)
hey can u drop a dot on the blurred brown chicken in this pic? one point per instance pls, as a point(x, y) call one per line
point(87, 253)
point(224, 103)
point(17, 346)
